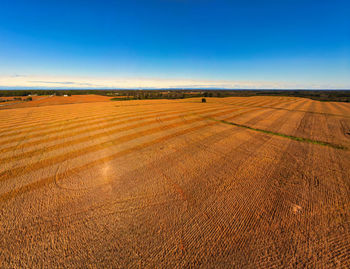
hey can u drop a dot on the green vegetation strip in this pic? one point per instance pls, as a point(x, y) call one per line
point(296, 138)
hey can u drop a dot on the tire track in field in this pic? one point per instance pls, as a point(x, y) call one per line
point(49, 123)
point(189, 141)
point(261, 102)
point(243, 224)
point(253, 187)
point(293, 137)
point(87, 117)
point(79, 215)
point(305, 192)
point(81, 123)
point(245, 144)
point(223, 187)
point(103, 160)
point(344, 107)
point(291, 106)
point(47, 116)
point(292, 110)
point(89, 137)
point(193, 146)
point(274, 101)
point(52, 118)
point(66, 220)
point(241, 249)
point(49, 180)
point(59, 224)
point(17, 116)
point(264, 117)
point(250, 102)
point(110, 123)
point(253, 155)
point(96, 116)
point(276, 209)
point(336, 107)
point(334, 191)
point(73, 154)
point(213, 138)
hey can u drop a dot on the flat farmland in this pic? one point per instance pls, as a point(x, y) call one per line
point(240, 182)
point(51, 100)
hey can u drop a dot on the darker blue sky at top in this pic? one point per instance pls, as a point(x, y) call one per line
point(152, 34)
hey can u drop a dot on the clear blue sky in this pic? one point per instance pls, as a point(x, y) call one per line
point(301, 42)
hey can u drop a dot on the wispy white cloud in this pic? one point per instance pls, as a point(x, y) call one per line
point(31, 81)
point(18, 76)
point(70, 83)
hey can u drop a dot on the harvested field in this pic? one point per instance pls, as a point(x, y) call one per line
point(54, 100)
point(240, 182)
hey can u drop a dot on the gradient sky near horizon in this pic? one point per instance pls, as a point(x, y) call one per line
point(175, 43)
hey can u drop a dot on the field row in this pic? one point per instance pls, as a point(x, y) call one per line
point(168, 184)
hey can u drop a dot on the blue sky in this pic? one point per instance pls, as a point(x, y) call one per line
point(175, 43)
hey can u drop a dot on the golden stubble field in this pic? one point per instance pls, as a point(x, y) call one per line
point(234, 182)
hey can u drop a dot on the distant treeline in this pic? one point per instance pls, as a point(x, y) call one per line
point(321, 95)
point(16, 99)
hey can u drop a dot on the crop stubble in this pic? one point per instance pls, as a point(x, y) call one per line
point(162, 184)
